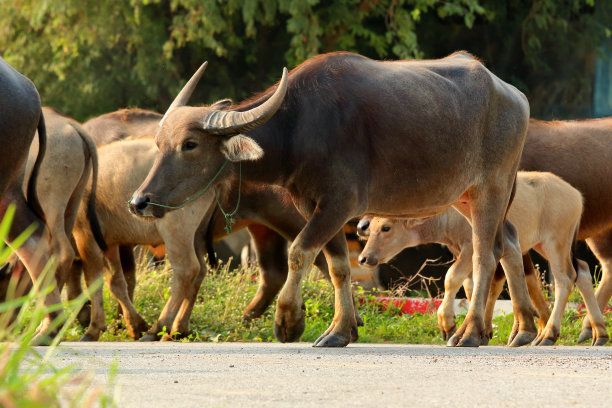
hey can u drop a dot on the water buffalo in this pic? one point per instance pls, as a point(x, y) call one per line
point(269, 245)
point(579, 151)
point(266, 212)
point(356, 136)
point(70, 159)
point(20, 118)
point(121, 124)
point(546, 212)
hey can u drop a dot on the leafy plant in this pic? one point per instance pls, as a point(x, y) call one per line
point(27, 376)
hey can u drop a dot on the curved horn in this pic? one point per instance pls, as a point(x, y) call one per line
point(232, 122)
point(183, 97)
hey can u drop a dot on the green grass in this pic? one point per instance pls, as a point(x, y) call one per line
point(225, 294)
point(27, 376)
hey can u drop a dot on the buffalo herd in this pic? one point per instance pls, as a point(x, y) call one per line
point(421, 150)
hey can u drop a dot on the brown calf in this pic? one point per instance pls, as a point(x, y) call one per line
point(546, 212)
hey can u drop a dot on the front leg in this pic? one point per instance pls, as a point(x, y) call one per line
point(326, 223)
point(457, 273)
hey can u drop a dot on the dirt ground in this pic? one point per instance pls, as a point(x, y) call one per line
point(256, 374)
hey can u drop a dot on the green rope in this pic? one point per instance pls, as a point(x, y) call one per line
point(229, 217)
point(172, 207)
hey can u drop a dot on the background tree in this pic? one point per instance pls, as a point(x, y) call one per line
point(88, 57)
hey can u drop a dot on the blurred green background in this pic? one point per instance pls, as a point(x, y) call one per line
point(89, 57)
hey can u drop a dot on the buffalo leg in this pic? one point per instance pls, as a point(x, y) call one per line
point(497, 285)
point(93, 270)
point(74, 289)
point(486, 208)
point(564, 274)
point(601, 246)
point(457, 273)
point(524, 330)
point(326, 222)
point(535, 292)
point(128, 266)
point(186, 268)
point(34, 255)
point(118, 287)
point(271, 251)
point(585, 286)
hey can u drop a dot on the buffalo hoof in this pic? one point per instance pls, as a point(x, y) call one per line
point(332, 340)
point(137, 331)
point(466, 341)
point(522, 338)
point(544, 342)
point(447, 334)
point(149, 337)
point(585, 335)
point(484, 341)
point(289, 324)
point(41, 340)
point(88, 337)
point(601, 341)
point(289, 334)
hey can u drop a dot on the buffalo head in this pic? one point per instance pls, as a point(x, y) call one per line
point(195, 145)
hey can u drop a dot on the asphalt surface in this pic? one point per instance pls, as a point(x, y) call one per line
point(289, 375)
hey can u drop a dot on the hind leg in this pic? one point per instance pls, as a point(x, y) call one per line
point(585, 286)
point(271, 250)
point(93, 270)
point(535, 292)
point(601, 246)
point(117, 285)
point(497, 285)
point(74, 289)
point(564, 274)
point(524, 329)
point(34, 255)
point(486, 209)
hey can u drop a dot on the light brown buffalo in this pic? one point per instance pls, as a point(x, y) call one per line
point(546, 212)
point(356, 136)
point(70, 162)
point(265, 212)
point(579, 151)
point(122, 124)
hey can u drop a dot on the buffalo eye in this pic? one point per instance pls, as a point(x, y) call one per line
point(385, 228)
point(189, 145)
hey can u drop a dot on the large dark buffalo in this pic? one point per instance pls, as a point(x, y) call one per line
point(20, 118)
point(355, 136)
point(580, 152)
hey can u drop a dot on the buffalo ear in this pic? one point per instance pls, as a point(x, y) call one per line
point(241, 147)
point(222, 104)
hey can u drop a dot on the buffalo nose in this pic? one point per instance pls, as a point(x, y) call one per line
point(138, 204)
point(368, 260)
point(362, 227)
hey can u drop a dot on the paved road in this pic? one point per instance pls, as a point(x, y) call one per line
point(288, 375)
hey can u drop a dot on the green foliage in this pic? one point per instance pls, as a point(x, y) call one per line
point(91, 57)
point(27, 376)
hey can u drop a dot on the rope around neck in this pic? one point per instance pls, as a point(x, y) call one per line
point(229, 217)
